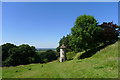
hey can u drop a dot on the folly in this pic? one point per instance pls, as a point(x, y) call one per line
point(62, 53)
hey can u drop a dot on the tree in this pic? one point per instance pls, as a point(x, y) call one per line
point(27, 53)
point(5, 48)
point(18, 55)
point(66, 41)
point(51, 55)
point(15, 57)
point(48, 56)
point(109, 33)
point(84, 33)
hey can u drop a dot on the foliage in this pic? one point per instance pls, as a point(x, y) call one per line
point(17, 55)
point(84, 35)
point(108, 35)
point(66, 41)
point(24, 54)
point(70, 55)
point(5, 48)
point(48, 56)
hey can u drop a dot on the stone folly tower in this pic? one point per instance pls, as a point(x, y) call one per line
point(62, 53)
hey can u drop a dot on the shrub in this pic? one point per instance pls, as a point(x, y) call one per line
point(70, 55)
point(45, 60)
point(58, 59)
point(48, 56)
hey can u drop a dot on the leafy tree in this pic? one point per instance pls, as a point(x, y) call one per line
point(47, 56)
point(17, 55)
point(66, 41)
point(43, 55)
point(51, 55)
point(37, 58)
point(5, 48)
point(84, 33)
point(108, 35)
point(27, 53)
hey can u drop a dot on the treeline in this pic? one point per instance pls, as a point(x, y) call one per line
point(86, 34)
point(13, 55)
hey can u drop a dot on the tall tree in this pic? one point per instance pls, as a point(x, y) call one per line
point(84, 32)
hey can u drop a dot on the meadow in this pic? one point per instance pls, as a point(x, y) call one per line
point(104, 64)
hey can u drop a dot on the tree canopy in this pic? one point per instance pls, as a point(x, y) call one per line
point(16, 55)
point(86, 34)
point(83, 34)
point(24, 54)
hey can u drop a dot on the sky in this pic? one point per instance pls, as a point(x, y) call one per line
point(119, 12)
point(59, 0)
point(42, 24)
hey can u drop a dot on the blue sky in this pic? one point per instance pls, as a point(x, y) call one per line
point(42, 24)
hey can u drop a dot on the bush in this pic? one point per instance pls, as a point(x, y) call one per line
point(58, 59)
point(48, 56)
point(70, 55)
point(45, 60)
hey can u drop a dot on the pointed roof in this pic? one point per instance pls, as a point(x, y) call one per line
point(63, 46)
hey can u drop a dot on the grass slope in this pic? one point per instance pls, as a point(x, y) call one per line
point(104, 64)
point(0, 73)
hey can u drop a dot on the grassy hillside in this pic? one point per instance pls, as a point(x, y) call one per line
point(0, 73)
point(104, 64)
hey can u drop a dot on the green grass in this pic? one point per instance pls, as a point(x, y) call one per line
point(104, 64)
point(0, 73)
